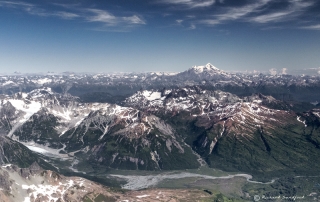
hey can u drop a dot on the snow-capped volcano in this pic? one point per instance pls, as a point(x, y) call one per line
point(205, 72)
point(208, 67)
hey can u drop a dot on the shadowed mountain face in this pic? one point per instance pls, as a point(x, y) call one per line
point(13, 152)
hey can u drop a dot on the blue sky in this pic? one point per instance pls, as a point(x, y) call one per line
point(159, 35)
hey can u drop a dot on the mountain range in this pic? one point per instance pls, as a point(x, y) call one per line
point(265, 125)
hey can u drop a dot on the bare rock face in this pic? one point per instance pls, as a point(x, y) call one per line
point(8, 117)
point(5, 181)
point(15, 153)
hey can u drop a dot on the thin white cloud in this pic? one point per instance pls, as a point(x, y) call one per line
point(134, 20)
point(97, 15)
point(257, 13)
point(66, 15)
point(15, 4)
point(211, 22)
point(32, 9)
point(68, 6)
point(313, 27)
point(166, 14)
point(179, 21)
point(100, 16)
point(44, 13)
point(27, 7)
point(192, 26)
point(191, 16)
point(190, 3)
point(295, 8)
point(235, 13)
point(88, 15)
point(270, 17)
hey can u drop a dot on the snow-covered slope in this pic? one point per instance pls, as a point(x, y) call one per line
point(192, 99)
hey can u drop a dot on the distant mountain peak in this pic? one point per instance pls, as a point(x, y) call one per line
point(207, 67)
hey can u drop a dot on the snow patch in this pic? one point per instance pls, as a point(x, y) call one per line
point(151, 95)
point(29, 109)
point(304, 122)
point(7, 83)
point(142, 196)
point(6, 165)
point(65, 114)
point(37, 149)
point(42, 81)
point(47, 190)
